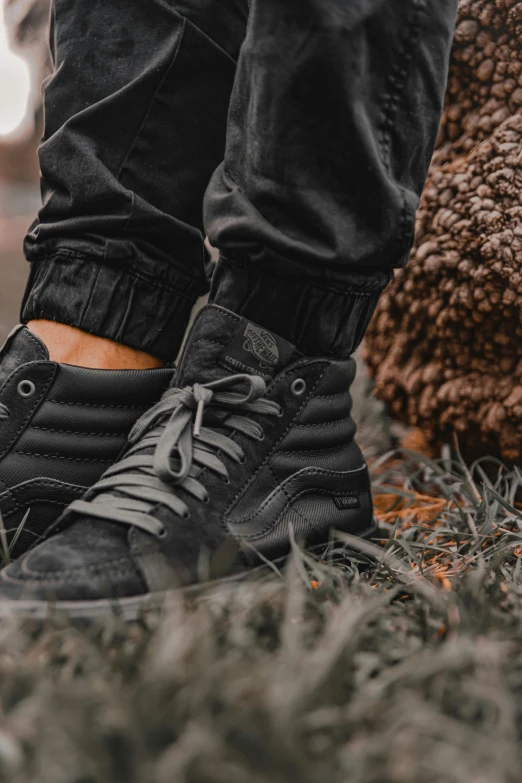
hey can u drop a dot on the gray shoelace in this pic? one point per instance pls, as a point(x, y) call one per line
point(4, 411)
point(178, 448)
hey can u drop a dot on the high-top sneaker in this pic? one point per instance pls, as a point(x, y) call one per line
point(60, 428)
point(252, 441)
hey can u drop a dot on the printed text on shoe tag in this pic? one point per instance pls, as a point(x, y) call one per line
point(254, 349)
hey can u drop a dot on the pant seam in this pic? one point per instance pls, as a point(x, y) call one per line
point(126, 315)
point(397, 79)
point(153, 98)
point(396, 82)
point(89, 298)
point(119, 174)
point(405, 241)
point(190, 22)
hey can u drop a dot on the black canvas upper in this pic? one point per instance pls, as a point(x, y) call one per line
point(61, 427)
point(306, 472)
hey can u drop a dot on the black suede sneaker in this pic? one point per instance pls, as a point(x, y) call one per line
point(254, 439)
point(60, 428)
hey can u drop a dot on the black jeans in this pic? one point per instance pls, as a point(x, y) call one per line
point(313, 120)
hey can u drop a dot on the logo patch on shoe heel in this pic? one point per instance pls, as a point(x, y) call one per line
point(254, 349)
point(262, 344)
point(347, 502)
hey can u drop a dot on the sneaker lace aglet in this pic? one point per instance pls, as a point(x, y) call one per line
point(199, 418)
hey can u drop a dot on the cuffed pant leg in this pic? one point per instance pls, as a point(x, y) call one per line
point(333, 120)
point(135, 121)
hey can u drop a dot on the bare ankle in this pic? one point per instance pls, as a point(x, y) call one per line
point(68, 345)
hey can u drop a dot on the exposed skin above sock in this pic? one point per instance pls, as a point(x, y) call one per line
point(68, 345)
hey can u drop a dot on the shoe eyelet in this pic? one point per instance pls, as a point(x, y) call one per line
point(162, 533)
point(186, 515)
point(298, 387)
point(206, 499)
point(26, 389)
point(280, 413)
point(242, 459)
point(261, 437)
point(225, 480)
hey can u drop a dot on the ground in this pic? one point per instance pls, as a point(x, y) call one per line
point(401, 662)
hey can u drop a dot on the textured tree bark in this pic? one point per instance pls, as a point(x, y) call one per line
point(445, 345)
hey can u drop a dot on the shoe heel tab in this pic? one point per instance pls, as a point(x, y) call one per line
point(10, 336)
point(27, 344)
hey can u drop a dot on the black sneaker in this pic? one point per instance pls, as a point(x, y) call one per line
point(254, 439)
point(60, 428)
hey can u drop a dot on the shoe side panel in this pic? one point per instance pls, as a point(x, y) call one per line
point(117, 389)
point(21, 409)
point(314, 518)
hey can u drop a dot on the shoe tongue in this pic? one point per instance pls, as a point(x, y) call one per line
point(20, 347)
point(222, 343)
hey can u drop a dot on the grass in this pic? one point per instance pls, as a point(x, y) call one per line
point(399, 663)
point(6, 546)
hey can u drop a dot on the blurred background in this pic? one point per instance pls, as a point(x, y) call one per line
point(24, 62)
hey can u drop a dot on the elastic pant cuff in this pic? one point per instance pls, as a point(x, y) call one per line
point(319, 318)
point(112, 302)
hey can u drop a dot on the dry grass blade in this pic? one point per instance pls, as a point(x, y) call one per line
point(392, 661)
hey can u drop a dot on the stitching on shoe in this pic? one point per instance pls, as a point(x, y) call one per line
point(219, 310)
point(285, 493)
point(93, 405)
point(269, 528)
point(39, 346)
point(71, 571)
point(330, 396)
point(43, 483)
point(274, 448)
point(28, 504)
point(319, 471)
point(57, 456)
point(313, 489)
point(29, 416)
point(290, 425)
point(74, 432)
point(272, 525)
point(323, 424)
point(323, 450)
point(42, 581)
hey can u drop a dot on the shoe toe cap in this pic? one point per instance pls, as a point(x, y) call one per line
point(69, 567)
